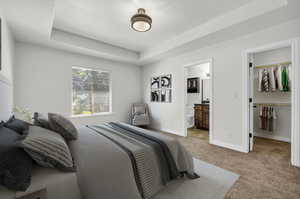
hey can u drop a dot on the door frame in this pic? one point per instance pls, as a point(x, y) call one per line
point(295, 95)
point(210, 61)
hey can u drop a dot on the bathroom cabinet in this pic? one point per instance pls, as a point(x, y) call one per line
point(202, 116)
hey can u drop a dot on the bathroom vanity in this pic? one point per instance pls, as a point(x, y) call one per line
point(202, 116)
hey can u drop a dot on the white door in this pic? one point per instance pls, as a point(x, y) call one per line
point(251, 102)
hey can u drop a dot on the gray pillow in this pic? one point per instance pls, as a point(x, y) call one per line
point(48, 149)
point(15, 163)
point(63, 126)
point(41, 120)
point(17, 125)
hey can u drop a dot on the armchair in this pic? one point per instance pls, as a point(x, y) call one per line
point(140, 115)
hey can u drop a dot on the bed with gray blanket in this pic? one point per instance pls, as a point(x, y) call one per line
point(117, 160)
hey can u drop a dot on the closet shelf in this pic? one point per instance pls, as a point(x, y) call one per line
point(274, 65)
point(272, 103)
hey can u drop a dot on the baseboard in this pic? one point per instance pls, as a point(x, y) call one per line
point(296, 163)
point(273, 137)
point(229, 146)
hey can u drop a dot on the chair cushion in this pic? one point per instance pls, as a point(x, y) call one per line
point(63, 126)
point(139, 109)
point(142, 119)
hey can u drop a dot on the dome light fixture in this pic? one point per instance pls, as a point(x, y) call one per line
point(141, 22)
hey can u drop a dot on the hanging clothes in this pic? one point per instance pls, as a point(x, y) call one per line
point(260, 75)
point(265, 81)
point(290, 75)
point(279, 78)
point(272, 79)
point(285, 80)
point(275, 79)
point(267, 116)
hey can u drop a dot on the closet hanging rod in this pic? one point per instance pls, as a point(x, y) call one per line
point(274, 65)
point(273, 104)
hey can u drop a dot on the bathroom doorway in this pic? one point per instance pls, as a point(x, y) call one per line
point(198, 100)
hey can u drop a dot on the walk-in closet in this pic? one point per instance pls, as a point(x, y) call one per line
point(271, 83)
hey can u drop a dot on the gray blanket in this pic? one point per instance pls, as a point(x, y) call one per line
point(115, 161)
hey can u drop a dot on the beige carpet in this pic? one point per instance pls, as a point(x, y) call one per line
point(265, 173)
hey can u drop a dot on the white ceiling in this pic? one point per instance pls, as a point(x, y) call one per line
point(109, 20)
point(102, 27)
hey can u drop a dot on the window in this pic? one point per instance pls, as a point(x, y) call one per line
point(91, 91)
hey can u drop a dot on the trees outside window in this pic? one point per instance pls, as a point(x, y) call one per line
point(91, 91)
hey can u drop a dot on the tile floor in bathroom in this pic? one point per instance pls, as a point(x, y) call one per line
point(198, 133)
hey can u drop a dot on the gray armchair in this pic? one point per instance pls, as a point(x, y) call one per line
point(140, 115)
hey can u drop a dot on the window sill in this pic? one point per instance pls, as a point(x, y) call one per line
point(93, 115)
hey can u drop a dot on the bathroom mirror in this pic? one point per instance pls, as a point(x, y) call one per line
point(205, 91)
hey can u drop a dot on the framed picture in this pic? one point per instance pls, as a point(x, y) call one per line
point(161, 89)
point(166, 81)
point(155, 95)
point(166, 95)
point(193, 85)
point(155, 82)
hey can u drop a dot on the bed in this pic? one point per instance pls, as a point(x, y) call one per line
point(113, 160)
point(106, 168)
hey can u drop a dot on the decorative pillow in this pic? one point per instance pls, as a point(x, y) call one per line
point(48, 149)
point(41, 120)
point(15, 163)
point(63, 126)
point(17, 125)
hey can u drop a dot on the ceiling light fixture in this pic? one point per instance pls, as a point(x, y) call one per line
point(141, 22)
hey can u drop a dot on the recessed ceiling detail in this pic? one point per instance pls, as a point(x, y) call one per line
point(101, 28)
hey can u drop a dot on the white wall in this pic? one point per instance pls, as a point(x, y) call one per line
point(43, 82)
point(282, 130)
point(6, 73)
point(227, 84)
point(7, 51)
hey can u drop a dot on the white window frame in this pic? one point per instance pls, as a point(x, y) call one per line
point(110, 112)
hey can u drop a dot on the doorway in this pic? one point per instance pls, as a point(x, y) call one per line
point(198, 100)
point(272, 96)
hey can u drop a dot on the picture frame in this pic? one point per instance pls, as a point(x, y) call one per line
point(166, 95)
point(155, 83)
point(166, 81)
point(161, 89)
point(193, 85)
point(155, 95)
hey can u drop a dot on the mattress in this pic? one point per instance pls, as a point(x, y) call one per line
point(58, 185)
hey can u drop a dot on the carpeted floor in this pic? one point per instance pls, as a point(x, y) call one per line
point(214, 183)
point(265, 173)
